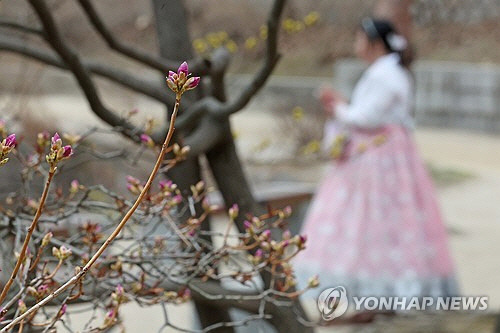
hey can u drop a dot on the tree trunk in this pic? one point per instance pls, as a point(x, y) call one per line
point(223, 159)
point(233, 185)
point(175, 43)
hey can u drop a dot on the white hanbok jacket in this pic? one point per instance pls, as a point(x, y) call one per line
point(382, 96)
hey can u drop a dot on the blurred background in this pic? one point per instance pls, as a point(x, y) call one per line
point(457, 73)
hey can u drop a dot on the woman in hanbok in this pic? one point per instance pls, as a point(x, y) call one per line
point(374, 226)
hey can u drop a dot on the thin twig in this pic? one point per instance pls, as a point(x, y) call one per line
point(32, 227)
point(76, 278)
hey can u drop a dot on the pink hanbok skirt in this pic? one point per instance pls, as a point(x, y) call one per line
point(374, 225)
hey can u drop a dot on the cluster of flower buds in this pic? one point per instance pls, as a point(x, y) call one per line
point(75, 186)
point(198, 189)
point(253, 225)
point(285, 212)
point(21, 306)
point(181, 81)
point(299, 241)
point(92, 233)
point(180, 153)
point(40, 292)
point(207, 207)
point(58, 152)
point(62, 310)
point(61, 253)
point(117, 266)
point(46, 239)
point(6, 147)
point(168, 191)
point(234, 211)
point(42, 141)
point(177, 297)
point(134, 185)
point(119, 295)
point(257, 257)
point(109, 319)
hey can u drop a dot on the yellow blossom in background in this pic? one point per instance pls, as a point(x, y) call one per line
point(311, 19)
point(288, 24)
point(311, 147)
point(298, 26)
point(223, 36)
point(379, 140)
point(265, 143)
point(213, 40)
point(362, 147)
point(338, 146)
point(231, 46)
point(200, 45)
point(298, 113)
point(263, 32)
point(250, 43)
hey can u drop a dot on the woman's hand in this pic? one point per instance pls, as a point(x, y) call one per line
point(330, 98)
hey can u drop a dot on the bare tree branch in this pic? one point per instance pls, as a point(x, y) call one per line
point(205, 136)
point(79, 70)
point(122, 78)
point(198, 66)
point(265, 71)
point(6, 23)
point(222, 110)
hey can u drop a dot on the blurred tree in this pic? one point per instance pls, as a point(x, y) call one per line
point(204, 121)
point(398, 12)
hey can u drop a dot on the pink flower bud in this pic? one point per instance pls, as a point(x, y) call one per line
point(111, 313)
point(183, 68)
point(303, 238)
point(177, 199)
point(192, 82)
point(266, 234)
point(167, 185)
point(234, 211)
point(119, 290)
point(43, 289)
point(132, 180)
point(259, 253)
point(146, 139)
point(46, 239)
point(247, 225)
point(74, 186)
point(186, 293)
point(64, 307)
point(56, 139)
point(10, 141)
point(287, 234)
point(67, 151)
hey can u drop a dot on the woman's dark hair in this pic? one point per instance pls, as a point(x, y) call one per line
point(383, 30)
